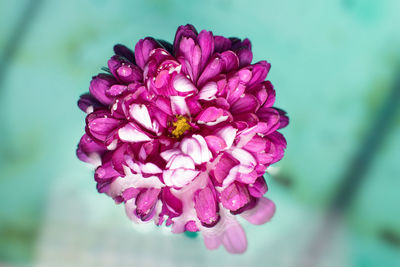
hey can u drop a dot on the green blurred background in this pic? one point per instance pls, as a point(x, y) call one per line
point(336, 70)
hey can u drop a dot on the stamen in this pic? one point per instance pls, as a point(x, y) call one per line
point(181, 125)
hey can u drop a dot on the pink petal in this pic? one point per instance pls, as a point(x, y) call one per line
point(234, 239)
point(215, 143)
point(261, 213)
point(244, 75)
point(212, 242)
point(116, 89)
point(256, 144)
point(102, 127)
point(210, 114)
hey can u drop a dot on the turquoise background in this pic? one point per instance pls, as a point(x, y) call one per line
point(335, 67)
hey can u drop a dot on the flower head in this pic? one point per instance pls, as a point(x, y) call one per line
point(183, 133)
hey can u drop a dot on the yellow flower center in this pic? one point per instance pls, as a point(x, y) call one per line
point(181, 125)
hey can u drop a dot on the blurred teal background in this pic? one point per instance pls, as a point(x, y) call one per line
point(336, 70)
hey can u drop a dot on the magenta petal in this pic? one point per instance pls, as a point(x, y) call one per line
point(206, 43)
point(221, 44)
point(256, 144)
point(245, 57)
point(88, 150)
point(283, 118)
point(145, 202)
point(118, 159)
point(87, 103)
point(235, 196)
point(173, 203)
point(261, 213)
point(234, 239)
point(206, 206)
point(259, 71)
point(143, 49)
point(270, 94)
point(184, 30)
point(193, 105)
point(98, 87)
point(116, 90)
point(259, 188)
point(246, 104)
point(130, 193)
point(125, 52)
point(212, 69)
point(271, 117)
point(215, 143)
point(105, 172)
point(230, 61)
point(209, 115)
point(101, 128)
point(222, 168)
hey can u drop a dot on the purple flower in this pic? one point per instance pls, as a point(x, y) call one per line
point(183, 133)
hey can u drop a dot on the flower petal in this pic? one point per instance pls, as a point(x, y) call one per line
point(228, 134)
point(132, 133)
point(143, 49)
point(179, 177)
point(234, 239)
point(261, 213)
point(215, 143)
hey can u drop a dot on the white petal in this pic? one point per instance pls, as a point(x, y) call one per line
point(227, 133)
point(131, 133)
point(179, 177)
